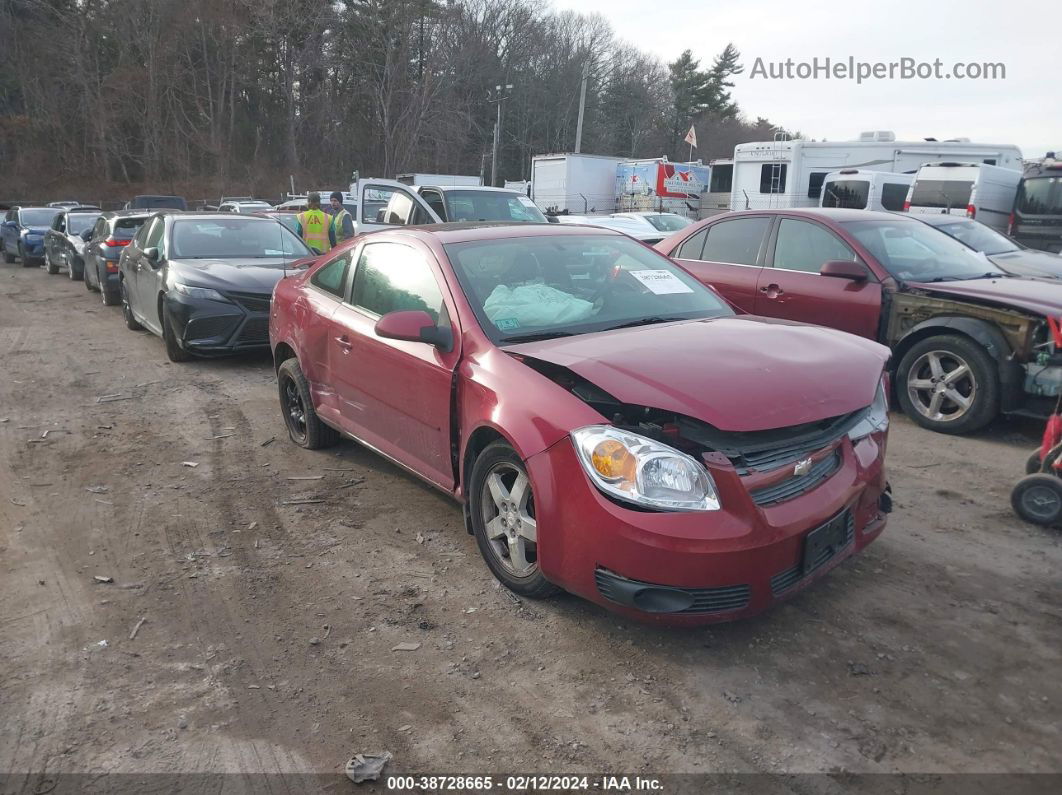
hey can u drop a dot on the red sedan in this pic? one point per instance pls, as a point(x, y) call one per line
point(610, 425)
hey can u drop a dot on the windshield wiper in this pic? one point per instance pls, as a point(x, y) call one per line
point(537, 336)
point(988, 275)
point(645, 321)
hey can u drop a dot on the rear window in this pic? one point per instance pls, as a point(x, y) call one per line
point(851, 194)
point(772, 177)
point(126, 228)
point(893, 195)
point(943, 193)
point(1040, 196)
point(473, 205)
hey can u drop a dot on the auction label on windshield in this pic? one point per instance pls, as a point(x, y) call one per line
point(661, 282)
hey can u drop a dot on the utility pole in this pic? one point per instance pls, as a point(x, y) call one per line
point(582, 108)
point(499, 97)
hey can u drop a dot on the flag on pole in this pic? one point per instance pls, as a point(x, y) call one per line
point(691, 137)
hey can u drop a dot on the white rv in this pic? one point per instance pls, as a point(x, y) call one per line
point(785, 173)
point(974, 190)
point(861, 189)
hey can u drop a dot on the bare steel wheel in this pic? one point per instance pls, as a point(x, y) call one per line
point(949, 383)
point(503, 518)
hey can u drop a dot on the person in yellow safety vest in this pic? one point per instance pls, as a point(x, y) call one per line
point(342, 225)
point(313, 225)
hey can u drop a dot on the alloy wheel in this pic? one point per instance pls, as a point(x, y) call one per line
point(941, 386)
point(508, 509)
point(294, 409)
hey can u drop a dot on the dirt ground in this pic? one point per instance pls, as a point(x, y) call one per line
point(246, 634)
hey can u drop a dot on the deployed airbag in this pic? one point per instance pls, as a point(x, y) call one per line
point(534, 305)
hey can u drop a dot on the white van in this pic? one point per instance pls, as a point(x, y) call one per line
point(976, 190)
point(862, 189)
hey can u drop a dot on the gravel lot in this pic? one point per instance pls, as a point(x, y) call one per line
point(245, 633)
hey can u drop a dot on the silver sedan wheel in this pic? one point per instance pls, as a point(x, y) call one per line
point(941, 386)
point(509, 519)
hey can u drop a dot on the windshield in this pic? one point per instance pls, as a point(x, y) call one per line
point(943, 193)
point(541, 287)
point(37, 216)
point(912, 251)
point(849, 193)
point(978, 237)
point(1040, 196)
point(220, 238)
point(668, 223)
point(76, 224)
point(482, 205)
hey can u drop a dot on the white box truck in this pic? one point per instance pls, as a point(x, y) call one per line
point(784, 173)
point(445, 180)
point(975, 190)
point(574, 183)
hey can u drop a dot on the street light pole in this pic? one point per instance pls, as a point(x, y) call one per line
point(500, 96)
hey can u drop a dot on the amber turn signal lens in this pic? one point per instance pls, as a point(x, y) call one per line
point(612, 460)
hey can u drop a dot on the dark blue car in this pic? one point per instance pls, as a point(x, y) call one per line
point(22, 233)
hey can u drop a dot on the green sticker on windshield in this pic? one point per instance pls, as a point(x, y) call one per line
point(507, 323)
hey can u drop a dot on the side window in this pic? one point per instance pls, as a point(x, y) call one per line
point(142, 235)
point(736, 241)
point(59, 224)
point(391, 277)
point(772, 177)
point(384, 204)
point(332, 277)
point(435, 201)
point(100, 229)
point(154, 237)
point(692, 248)
point(804, 246)
point(893, 195)
point(815, 184)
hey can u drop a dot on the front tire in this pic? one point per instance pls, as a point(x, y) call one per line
point(9, 258)
point(127, 310)
point(1038, 499)
point(49, 265)
point(305, 428)
point(174, 351)
point(110, 296)
point(948, 384)
point(26, 261)
point(502, 508)
point(76, 273)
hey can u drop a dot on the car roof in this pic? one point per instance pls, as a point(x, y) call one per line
point(466, 232)
point(835, 214)
point(204, 214)
point(472, 187)
point(937, 219)
point(143, 212)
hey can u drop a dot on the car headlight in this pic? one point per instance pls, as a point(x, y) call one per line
point(876, 417)
point(642, 471)
point(199, 292)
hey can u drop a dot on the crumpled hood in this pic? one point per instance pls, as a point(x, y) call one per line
point(1029, 262)
point(738, 373)
point(1038, 297)
point(251, 275)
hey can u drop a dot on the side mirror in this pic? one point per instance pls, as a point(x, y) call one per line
point(845, 269)
point(413, 325)
point(87, 235)
point(153, 255)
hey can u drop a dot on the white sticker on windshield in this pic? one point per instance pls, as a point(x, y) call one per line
point(661, 282)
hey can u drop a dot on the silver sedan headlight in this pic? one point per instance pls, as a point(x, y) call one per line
point(642, 471)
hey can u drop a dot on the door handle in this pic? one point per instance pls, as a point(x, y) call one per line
point(345, 343)
point(772, 290)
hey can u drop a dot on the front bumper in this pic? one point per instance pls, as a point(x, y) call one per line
point(213, 328)
point(33, 247)
point(728, 564)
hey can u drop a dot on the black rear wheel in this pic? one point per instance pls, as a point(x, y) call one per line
point(305, 428)
point(131, 322)
point(1038, 499)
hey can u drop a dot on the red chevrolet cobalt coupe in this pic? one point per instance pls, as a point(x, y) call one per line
point(610, 425)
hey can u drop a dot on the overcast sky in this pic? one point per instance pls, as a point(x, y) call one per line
point(1023, 109)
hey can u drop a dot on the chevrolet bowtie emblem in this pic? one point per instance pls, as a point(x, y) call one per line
point(802, 467)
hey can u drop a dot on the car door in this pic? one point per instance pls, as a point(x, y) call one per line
point(791, 287)
point(312, 314)
point(384, 203)
point(53, 249)
point(728, 256)
point(90, 254)
point(146, 276)
point(394, 394)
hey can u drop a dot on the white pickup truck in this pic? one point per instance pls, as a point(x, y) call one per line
point(384, 203)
